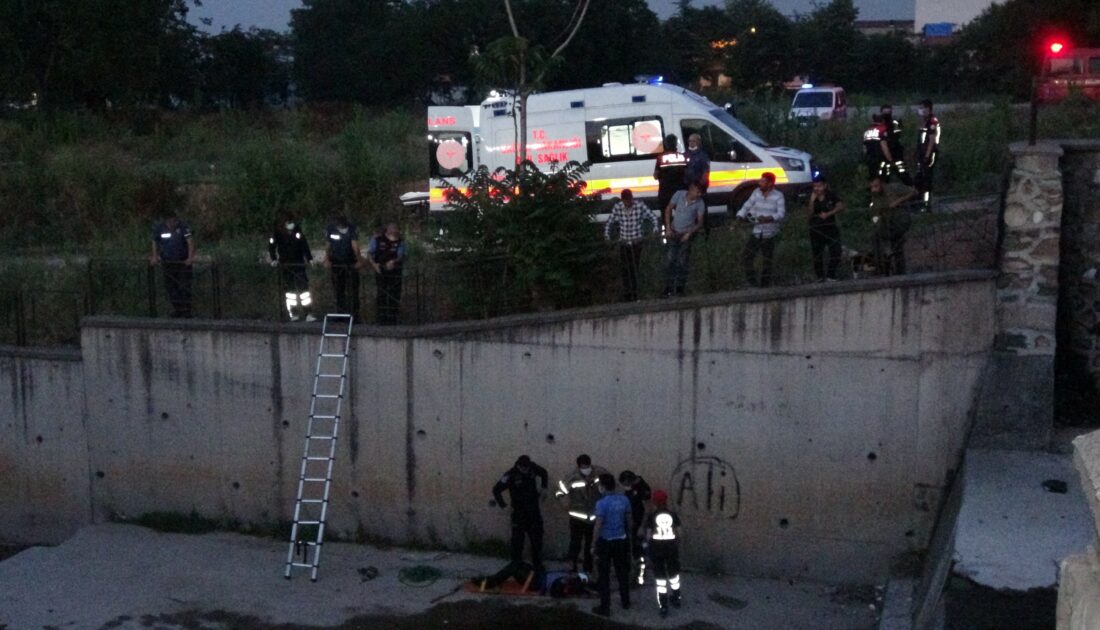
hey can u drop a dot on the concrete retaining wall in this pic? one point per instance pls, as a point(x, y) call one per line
point(805, 431)
point(44, 485)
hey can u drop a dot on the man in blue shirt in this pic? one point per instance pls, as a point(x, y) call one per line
point(612, 544)
point(174, 251)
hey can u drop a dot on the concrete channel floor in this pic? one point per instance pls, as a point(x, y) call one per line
point(1013, 532)
point(124, 576)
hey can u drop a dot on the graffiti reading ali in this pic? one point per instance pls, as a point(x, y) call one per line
point(707, 485)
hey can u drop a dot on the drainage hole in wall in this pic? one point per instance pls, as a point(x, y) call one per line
point(421, 433)
point(784, 523)
point(355, 494)
point(871, 456)
point(910, 534)
point(701, 446)
point(549, 438)
point(236, 485)
point(164, 415)
point(285, 424)
point(38, 439)
point(100, 474)
point(437, 354)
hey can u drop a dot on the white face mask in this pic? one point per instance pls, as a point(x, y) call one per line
point(342, 230)
point(587, 470)
point(290, 226)
point(922, 112)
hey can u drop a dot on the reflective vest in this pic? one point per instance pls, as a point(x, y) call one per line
point(579, 493)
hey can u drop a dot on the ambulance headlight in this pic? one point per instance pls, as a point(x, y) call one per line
point(791, 164)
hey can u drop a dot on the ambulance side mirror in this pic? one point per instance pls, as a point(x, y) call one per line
point(733, 155)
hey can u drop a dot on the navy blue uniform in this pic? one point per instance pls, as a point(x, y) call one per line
point(342, 241)
point(173, 248)
point(525, 489)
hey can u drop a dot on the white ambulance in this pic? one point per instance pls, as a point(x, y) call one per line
point(619, 129)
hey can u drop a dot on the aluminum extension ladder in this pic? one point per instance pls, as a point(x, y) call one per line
point(329, 383)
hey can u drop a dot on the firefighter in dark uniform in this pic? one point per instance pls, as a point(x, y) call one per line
point(174, 251)
point(662, 532)
point(927, 152)
point(526, 484)
point(386, 254)
point(344, 261)
point(894, 162)
point(669, 172)
point(874, 147)
point(290, 252)
point(637, 490)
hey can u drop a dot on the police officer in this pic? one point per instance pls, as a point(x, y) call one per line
point(174, 251)
point(637, 490)
point(578, 493)
point(290, 252)
point(386, 253)
point(662, 532)
point(874, 147)
point(927, 151)
point(669, 171)
point(525, 482)
point(344, 260)
point(894, 162)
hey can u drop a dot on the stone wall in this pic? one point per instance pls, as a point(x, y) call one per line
point(1017, 409)
point(1079, 580)
point(802, 431)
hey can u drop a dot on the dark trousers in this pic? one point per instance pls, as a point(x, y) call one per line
point(889, 252)
point(614, 553)
point(531, 528)
point(580, 537)
point(679, 264)
point(766, 247)
point(897, 167)
point(345, 287)
point(630, 259)
point(665, 560)
point(925, 171)
point(388, 295)
point(177, 283)
point(825, 239)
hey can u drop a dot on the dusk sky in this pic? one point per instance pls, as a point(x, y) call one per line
point(275, 14)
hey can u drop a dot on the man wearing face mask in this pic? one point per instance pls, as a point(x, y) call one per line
point(927, 151)
point(290, 252)
point(578, 493)
point(698, 164)
point(344, 260)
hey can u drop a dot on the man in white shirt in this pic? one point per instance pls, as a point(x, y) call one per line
point(766, 210)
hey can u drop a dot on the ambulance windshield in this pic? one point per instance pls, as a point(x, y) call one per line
point(739, 127)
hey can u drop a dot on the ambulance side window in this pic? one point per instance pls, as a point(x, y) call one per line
point(450, 153)
point(622, 139)
point(716, 141)
point(1094, 65)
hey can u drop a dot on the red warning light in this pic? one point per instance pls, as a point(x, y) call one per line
point(1056, 47)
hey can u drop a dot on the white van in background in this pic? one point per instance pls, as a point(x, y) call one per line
point(821, 103)
point(619, 129)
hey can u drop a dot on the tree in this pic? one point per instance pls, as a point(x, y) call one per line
point(701, 42)
point(243, 68)
point(533, 243)
point(828, 43)
point(351, 50)
point(524, 66)
point(765, 44)
point(1001, 49)
point(88, 52)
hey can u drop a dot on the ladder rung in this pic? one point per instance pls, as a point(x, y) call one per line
point(327, 396)
point(304, 565)
point(330, 376)
point(309, 522)
point(311, 500)
point(318, 459)
point(316, 479)
point(334, 356)
point(324, 417)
